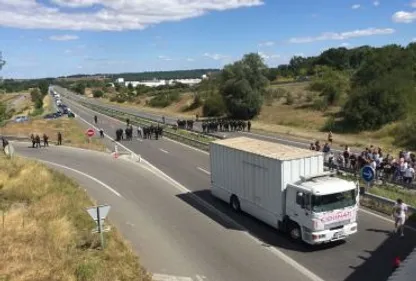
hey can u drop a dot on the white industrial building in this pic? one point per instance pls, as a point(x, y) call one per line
point(156, 83)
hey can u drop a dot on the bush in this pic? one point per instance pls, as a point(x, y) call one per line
point(197, 102)
point(320, 104)
point(97, 94)
point(290, 99)
point(214, 106)
point(164, 100)
point(405, 135)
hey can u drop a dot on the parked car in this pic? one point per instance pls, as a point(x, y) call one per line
point(20, 119)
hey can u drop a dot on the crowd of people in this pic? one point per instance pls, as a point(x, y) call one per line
point(36, 140)
point(394, 168)
point(224, 125)
point(144, 132)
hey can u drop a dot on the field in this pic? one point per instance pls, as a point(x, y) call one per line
point(46, 232)
point(297, 119)
point(72, 133)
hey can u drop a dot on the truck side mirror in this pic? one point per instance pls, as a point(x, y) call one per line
point(300, 200)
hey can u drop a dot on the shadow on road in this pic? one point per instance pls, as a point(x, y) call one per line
point(376, 265)
point(267, 234)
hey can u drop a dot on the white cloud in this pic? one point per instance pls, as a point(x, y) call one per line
point(268, 56)
point(356, 6)
point(165, 58)
point(404, 17)
point(343, 35)
point(376, 3)
point(413, 4)
point(114, 15)
point(214, 56)
point(190, 59)
point(266, 44)
point(345, 44)
point(63, 37)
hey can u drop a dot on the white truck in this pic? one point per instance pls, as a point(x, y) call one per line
point(285, 187)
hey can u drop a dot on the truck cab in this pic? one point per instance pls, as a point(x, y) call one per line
point(321, 209)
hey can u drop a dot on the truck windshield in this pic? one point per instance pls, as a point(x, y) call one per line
point(334, 201)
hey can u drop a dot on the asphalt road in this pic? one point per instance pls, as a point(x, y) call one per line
point(367, 255)
point(173, 238)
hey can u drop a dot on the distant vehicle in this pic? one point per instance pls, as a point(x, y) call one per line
point(285, 187)
point(71, 115)
point(20, 119)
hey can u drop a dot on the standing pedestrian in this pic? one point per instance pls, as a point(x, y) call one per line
point(399, 213)
point(95, 119)
point(59, 138)
point(45, 140)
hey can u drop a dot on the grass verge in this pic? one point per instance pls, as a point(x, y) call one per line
point(46, 232)
point(72, 133)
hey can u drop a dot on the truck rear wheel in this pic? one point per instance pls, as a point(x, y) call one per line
point(295, 232)
point(235, 203)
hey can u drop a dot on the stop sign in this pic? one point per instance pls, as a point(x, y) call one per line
point(90, 132)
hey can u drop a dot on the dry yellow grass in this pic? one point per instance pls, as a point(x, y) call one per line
point(72, 133)
point(46, 232)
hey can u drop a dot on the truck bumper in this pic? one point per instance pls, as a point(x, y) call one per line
point(327, 236)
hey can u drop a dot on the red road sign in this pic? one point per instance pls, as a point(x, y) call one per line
point(90, 132)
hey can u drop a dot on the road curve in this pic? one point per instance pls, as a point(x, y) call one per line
point(171, 236)
point(366, 256)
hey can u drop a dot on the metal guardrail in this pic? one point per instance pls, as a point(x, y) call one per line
point(375, 199)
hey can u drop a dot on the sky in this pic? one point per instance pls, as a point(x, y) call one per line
point(50, 38)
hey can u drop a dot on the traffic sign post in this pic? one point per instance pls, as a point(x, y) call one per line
point(90, 133)
point(368, 174)
point(98, 214)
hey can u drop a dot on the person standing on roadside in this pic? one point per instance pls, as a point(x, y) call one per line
point(95, 119)
point(399, 214)
point(59, 138)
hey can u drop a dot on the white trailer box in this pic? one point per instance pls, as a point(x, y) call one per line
point(285, 187)
point(258, 172)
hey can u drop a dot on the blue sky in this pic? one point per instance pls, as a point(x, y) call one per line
point(49, 38)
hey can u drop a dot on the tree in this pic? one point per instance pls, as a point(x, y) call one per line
point(243, 85)
point(332, 84)
point(43, 87)
point(382, 90)
point(37, 98)
point(97, 93)
point(80, 88)
point(130, 87)
point(3, 111)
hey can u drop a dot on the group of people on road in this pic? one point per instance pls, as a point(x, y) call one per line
point(36, 140)
point(225, 125)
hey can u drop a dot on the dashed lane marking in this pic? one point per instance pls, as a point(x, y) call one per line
point(203, 170)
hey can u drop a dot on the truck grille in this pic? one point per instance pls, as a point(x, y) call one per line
point(337, 224)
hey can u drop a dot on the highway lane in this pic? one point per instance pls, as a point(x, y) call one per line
point(170, 236)
point(371, 250)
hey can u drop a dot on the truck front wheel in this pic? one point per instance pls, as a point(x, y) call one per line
point(235, 203)
point(295, 232)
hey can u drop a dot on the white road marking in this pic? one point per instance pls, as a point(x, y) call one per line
point(312, 276)
point(188, 146)
point(165, 277)
point(203, 170)
point(165, 151)
point(139, 139)
point(83, 174)
point(200, 278)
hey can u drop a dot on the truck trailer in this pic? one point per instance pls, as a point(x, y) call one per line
point(285, 187)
